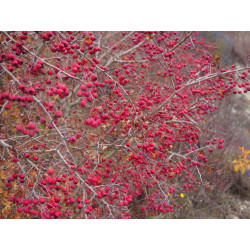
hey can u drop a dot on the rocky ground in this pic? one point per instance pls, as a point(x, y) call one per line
point(243, 210)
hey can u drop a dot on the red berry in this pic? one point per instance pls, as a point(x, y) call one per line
point(221, 140)
point(72, 139)
point(94, 77)
point(83, 102)
point(19, 127)
point(19, 210)
point(94, 124)
point(12, 198)
point(42, 200)
point(26, 155)
point(78, 135)
point(36, 158)
point(59, 113)
point(31, 125)
point(15, 159)
point(80, 206)
point(57, 199)
point(50, 172)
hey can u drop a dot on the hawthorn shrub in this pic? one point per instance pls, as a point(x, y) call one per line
point(106, 124)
